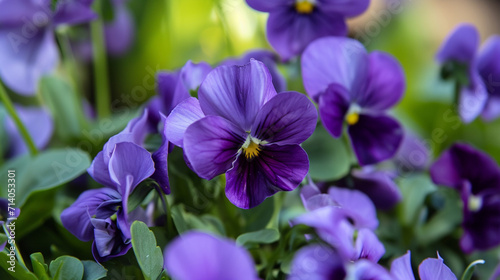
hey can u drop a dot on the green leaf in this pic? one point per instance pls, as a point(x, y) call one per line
point(93, 270)
point(66, 268)
point(64, 106)
point(414, 189)
point(45, 171)
point(20, 272)
point(39, 267)
point(264, 236)
point(258, 217)
point(37, 209)
point(148, 255)
point(329, 157)
point(140, 193)
point(470, 270)
point(185, 221)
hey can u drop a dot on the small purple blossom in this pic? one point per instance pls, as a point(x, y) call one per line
point(240, 126)
point(293, 24)
point(429, 269)
point(476, 176)
point(355, 88)
point(201, 256)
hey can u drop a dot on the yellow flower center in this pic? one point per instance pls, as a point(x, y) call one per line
point(475, 203)
point(352, 118)
point(304, 7)
point(252, 150)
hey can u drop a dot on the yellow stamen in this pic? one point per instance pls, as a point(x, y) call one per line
point(252, 150)
point(475, 203)
point(352, 118)
point(304, 7)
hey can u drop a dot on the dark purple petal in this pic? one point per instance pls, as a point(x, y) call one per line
point(401, 268)
point(316, 262)
point(275, 168)
point(290, 32)
point(211, 145)
point(166, 83)
point(268, 6)
point(472, 99)
point(487, 66)
point(386, 82)
point(237, 93)
point(108, 242)
point(368, 246)
point(73, 12)
point(161, 163)
point(356, 206)
point(289, 118)
point(347, 8)
point(24, 60)
point(378, 186)
point(461, 45)
point(375, 138)
point(119, 33)
point(334, 60)
point(434, 269)
point(182, 116)
point(200, 256)
point(99, 170)
point(76, 218)
point(333, 107)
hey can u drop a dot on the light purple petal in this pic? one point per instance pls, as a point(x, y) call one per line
point(357, 206)
point(237, 93)
point(333, 107)
point(275, 168)
point(73, 12)
point(160, 158)
point(200, 256)
point(491, 110)
point(182, 116)
point(269, 59)
point(99, 170)
point(290, 32)
point(401, 268)
point(12, 13)
point(367, 270)
point(308, 190)
point(368, 246)
point(119, 33)
point(268, 6)
point(472, 99)
point(461, 45)
point(316, 262)
point(378, 186)
point(487, 66)
point(413, 154)
point(166, 83)
point(347, 8)
point(211, 145)
point(191, 76)
point(335, 60)
point(375, 138)
point(289, 118)
point(435, 269)
point(386, 82)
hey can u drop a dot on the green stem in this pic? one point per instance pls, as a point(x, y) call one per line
point(20, 126)
point(225, 26)
point(101, 78)
point(18, 254)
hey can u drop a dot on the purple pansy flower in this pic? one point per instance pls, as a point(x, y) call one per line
point(413, 155)
point(215, 259)
point(28, 49)
point(240, 126)
point(102, 214)
point(429, 269)
point(293, 24)
point(356, 88)
point(480, 93)
point(476, 176)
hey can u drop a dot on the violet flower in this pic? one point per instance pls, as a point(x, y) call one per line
point(355, 88)
point(102, 215)
point(215, 259)
point(476, 73)
point(476, 176)
point(293, 24)
point(28, 49)
point(241, 127)
point(429, 269)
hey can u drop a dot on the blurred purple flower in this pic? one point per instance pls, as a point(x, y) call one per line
point(102, 214)
point(5, 214)
point(429, 269)
point(412, 155)
point(293, 24)
point(201, 256)
point(240, 126)
point(353, 87)
point(476, 176)
point(480, 93)
point(28, 49)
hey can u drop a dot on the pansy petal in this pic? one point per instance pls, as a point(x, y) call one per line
point(289, 33)
point(219, 258)
point(375, 138)
point(269, 59)
point(73, 12)
point(379, 186)
point(166, 83)
point(237, 93)
point(472, 100)
point(289, 118)
point(191, 76)
point(76, 218)
point(461, 45)
point(99, 170)
point(487, 66)
point(347, 8)
point(367, 270)
point(368, 246)
point(401, 268)
point(431, 269)
point(491, 109)
point(119, 33)
point(385, 85)
point(12, 13)
point(357, 206)
point(275, 168)
point(211, 145)
point(413, 154)
point(333, 107)
point(161, 163)
point(335, 60)
point(316, 262)
point(268, 6)
point(181, 117)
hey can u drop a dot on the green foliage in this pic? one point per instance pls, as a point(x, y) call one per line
point(66, 268)
point(263, 236)
point(148, 255)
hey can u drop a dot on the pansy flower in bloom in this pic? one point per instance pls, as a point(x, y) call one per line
point(240, 126)
point(102, 215)
point(355, 88)
point(214, 259)
point(28, 49)
point(476, 176)
point(429, 269)
point(293, 24)
point(477, 73)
